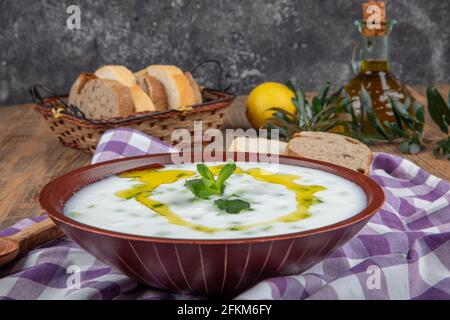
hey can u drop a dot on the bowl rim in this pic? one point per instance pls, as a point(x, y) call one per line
point(374, 193)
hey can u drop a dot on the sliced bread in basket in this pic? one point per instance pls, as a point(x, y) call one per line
point(142, 102)
point(105, 98)
point(77, 87)
point(118, 73)
point(195, 87)
point(178, 89)
point(154, 88)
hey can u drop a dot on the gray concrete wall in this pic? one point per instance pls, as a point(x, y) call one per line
point(256, 40)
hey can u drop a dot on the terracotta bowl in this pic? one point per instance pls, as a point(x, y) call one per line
point(210, 267)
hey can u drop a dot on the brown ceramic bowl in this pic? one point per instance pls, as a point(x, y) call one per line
point(211, 267)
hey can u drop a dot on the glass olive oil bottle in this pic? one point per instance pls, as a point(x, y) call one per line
point(370, 62)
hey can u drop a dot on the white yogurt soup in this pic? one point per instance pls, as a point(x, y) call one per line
point(270, 200)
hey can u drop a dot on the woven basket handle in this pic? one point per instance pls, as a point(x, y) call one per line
point(38, 99)
point(221, 76)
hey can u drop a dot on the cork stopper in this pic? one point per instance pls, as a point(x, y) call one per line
point(374, 18)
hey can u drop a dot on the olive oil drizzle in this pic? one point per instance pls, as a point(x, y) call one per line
point(150, 179)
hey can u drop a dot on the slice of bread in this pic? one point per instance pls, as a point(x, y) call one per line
point(142, 102)
point(157, 92)
point(333, 148)
point(141, 80)
point(118, 73)
point(153, 88)
point(178, 89)
point(257, 145)
point(78, 85)
point(106, 99)
point(197, 92)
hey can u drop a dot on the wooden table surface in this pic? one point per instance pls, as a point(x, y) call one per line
point(30, 156)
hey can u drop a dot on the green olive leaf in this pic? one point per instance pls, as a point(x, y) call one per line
point(303, 114)
point(282, 116)
point(443, 148)
point(290, 85)
point(397, 113)
point(366, 104)
point(316, 105)
point(323, 93)
point(438, 109)
point(286, 113)
point(419, 111)
point(396, 129)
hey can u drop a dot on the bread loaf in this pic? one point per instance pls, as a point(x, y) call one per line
point(333, 148)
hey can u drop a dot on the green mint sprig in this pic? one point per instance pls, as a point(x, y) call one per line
point(208, 185)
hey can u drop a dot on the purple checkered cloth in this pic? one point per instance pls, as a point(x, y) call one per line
point(402, 253)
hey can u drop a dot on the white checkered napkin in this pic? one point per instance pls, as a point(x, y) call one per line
point(126, 142)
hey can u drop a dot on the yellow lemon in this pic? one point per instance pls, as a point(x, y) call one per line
point(265, 96)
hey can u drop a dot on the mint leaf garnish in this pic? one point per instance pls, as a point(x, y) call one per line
point(224, 174)
point(232, 206)
point(198, 188)
point(208, 185)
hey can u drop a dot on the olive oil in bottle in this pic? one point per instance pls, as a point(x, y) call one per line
point(373, 72)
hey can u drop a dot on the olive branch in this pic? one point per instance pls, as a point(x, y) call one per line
point(330, 111)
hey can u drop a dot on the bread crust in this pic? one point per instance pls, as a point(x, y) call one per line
point(195, 87)
point(186, 92)
point(179, 92)
point(77, 87)
point(142, 101)
point(140, 79)
point(154, 88)
point(116, 72)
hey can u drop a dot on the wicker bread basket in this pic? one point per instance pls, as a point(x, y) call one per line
point(75, 131)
